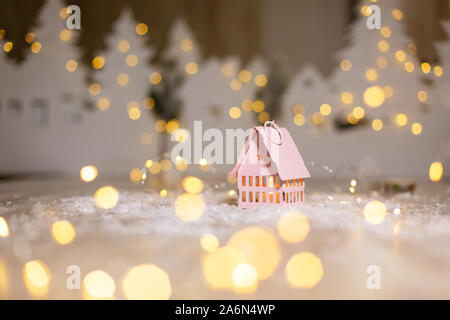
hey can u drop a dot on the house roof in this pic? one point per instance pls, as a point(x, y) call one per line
point(287, 158)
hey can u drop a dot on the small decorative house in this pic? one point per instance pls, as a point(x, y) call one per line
point(269, 169)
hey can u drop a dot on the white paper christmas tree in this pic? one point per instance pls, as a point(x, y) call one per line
point(307, 92)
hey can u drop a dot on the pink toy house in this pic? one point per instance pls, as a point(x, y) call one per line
point(270, 169)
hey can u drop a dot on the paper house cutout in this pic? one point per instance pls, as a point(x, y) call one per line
point(270, 169)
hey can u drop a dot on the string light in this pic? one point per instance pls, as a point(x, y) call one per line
point(416, 128)
point(155, 78)
point(123, 46)
point(377, 124)
point(426, 67)
point(36, 47)
point(65, 35)
point(346, 64)
point(401, 119)
point(191, 68)
point(258, 106)
point(374, 96)
point(358, 112)
point(260, 80)
point(95, 89)
point(186, 45)
point(122, 79)
point(8, 46)
point(400, 55)
point(71, 65)
point(141, 29)
point(347, 97)
point(88, 173)
point(236, 84)
point(436, 171)
point(245, 75)
point(325, 109)
point(409, 66)
point(132, 60)
point(438, 71)
point(422, 95)
point(29, 37)
point(234, 112)
point(98, 62)
point(103, 103)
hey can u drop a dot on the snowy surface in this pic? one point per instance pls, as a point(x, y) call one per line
point(143, 228)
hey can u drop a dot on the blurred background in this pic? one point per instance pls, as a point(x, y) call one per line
point(110, 94)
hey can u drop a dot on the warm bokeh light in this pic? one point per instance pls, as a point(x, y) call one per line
point(293, 227)
point(244, 276)
point(317, 118)
point(65, 35)
point(146, 282)
point(383, 45)
point(209, 242)
point(263, 117)
point(219, 265)
point(409, 66)
point(245, 75)
point(122, 79)
point(347, 97)
point(304, 270)
point(192, 185)
point(191, 68)
point(71, 65)
point(4, 279)
point(103, 103)
point(8, 46)
point(234, 112)
point(346, 64)
point(189, 207)
point(135, 175)
point(132, 60)
point(382, 62)
point(163, 193)
point(63, 232)
point(426, 67)
point(155, 78)
point(436, 171)
point(298, 108)
point(325, 109)
point(438, 71)
point(106, 197)
point(98, 62)
point(422, 95)
point(88, 173)
point(260, 80)
point(4, 229)
point(375, 212)
point(373, 96)
point(134, 113)
point(160, 125)
point(258, 106)
point(36, 47)
point(260, 248)
point(98, 285)
point(358, 112)
point(95, 89)
point(385, 32)
point(155, 168)
point(36, 277)
point(149, 103)
point(377, 124)
point(235, 84)
point(166, 165)
point(123, 46)
point(29, 37)
point(186, 45)
point(397, 14)
point(388, 91)
point(400, 55)
point(416, 128)
point(299, 119)
point(227, 69)
point(247, 104)
point(371, 74)
point(401, 119)
point(141, 29)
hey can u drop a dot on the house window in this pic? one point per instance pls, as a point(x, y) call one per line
point(264, 178)
point(277, 179)
point(271, 197)
point(243, 196)
point(256, 196)
point(301, 195)
point(278, 197)
point(257, 181)
point(287, 196)
point(250, 181)
point(264, 197)
point(243, 181)
point(271, 182)
point(301, 182)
